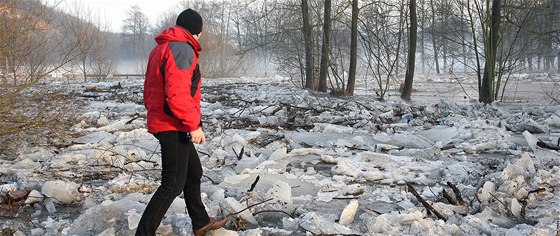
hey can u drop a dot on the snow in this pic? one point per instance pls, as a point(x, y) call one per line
point(325, 165)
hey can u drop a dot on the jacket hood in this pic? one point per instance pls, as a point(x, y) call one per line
point(177, 34)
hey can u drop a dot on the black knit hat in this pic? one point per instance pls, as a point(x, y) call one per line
point(191, 21)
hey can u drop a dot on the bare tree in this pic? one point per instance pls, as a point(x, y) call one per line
point(353, 50)
point(136, 27)
point(94, 56)
point(412, 37)
point(325, 48)
point(308, 41)
point(35, 42)
point(382, 43)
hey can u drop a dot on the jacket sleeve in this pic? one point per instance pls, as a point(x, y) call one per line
point(179, 70)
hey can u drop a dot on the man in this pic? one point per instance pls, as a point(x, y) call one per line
point(172, 98)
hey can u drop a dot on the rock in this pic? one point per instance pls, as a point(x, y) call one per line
point(61, 191)
point(33, 197)
point(102, 121)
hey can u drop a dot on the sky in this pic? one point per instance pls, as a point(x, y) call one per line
point(114, 11)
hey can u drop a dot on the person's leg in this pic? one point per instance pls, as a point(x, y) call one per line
point(191, 192)
point(173, 176)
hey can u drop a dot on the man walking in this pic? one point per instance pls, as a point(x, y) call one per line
point(172, 98)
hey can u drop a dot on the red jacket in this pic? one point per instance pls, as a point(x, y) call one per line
point(172, 86)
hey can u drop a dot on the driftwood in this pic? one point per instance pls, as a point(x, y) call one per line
point(542, 144)
point(428, 207)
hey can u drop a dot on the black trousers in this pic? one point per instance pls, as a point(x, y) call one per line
point(181, 172)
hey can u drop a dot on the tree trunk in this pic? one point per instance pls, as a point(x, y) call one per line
point(325, 61)
point(422, 36)
point(409, 77)
point(433, 33)
point(353, 50)
point(307, 37)
point(486, 94)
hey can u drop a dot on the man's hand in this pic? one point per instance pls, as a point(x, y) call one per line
point(197, 136)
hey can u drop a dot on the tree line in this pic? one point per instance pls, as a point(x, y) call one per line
point(327, 45)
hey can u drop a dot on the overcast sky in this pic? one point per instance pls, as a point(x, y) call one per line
point(115, 10)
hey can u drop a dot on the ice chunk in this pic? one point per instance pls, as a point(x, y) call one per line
point(234, 206)
point(487, 191)
point(278, 154)
point(281, 192)
point(18, 233)
point(379, 224)
point(522, 167)
point(49, 204)
point(410, 140)
point(33, 197)
point(553, 121)
point(61, 191)
point(516, 208)
point(97, 137)
point(236, 179)
point(443, 134)
point(218, 195)
point(133, 219)
point(531, 126)
point(37, 232)
point(320, 225)
point(103, 216)
point(347, 215)
point(108, 232)
point(531, 140)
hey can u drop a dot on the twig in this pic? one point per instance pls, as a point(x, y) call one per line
point(246, 208)
point(240, 154)
point(539, 190)
point(268, 211)
point(458, 195)
point(211, 180)
point(370, 209)
point(254, 183)
point(429, 207)
point(136, 116)
point(450, 199)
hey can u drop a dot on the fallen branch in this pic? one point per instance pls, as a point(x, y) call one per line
point(458, 194)
point(450, 199)
point(246, 208)
point(428, 207)
point(271, 211)
point(539, 190)
point(136, 116)
point(548, 145)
